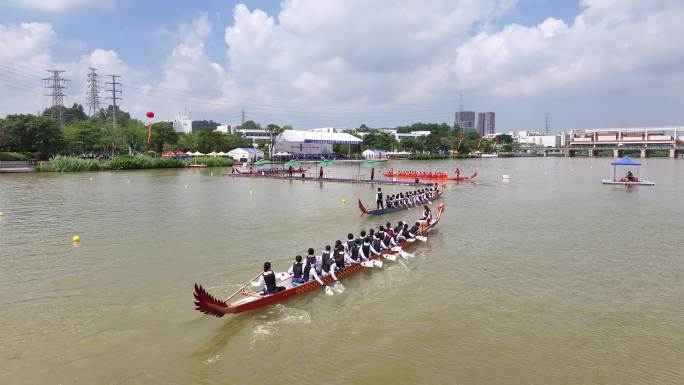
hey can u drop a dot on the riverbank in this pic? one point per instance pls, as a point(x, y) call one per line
point(75, 164)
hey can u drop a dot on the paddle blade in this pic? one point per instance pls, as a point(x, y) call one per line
point(421, 238)
point(397, 249)
point(328, 291)
point(367, 264)
point(391, 257)
point(338, 288)
point(410, 240)
point(377, 263)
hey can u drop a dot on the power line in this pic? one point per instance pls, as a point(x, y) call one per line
point(56, 84)
point(93, 92)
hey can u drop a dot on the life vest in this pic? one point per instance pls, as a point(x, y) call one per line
point(339, 260)
point(297, 269)
point(414, 229)
point(387, 240)
point(310, 264)
point(350, 246)
point(270, 281)
point(326, 261)
point(366, 249)
point(378, 196)
point(376, 244)
point(354, 252)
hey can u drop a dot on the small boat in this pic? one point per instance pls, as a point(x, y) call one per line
point(365, 210)
point(208, 304)
point(427, 176)
point(196, 165)
point(626, 181)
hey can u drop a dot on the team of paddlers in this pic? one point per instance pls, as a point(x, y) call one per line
point(421, 174)
point(354, 250)
point(407, 199)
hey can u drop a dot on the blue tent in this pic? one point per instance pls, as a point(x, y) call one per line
point(626, 161)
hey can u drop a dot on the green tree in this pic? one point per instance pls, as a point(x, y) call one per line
point(133, 134)
point(188, 142)
point(273, 130)
point(163, 134)
point(250, 125)
point(83, 136)
point(208, 141)
point(377, 139)
point(29, 133)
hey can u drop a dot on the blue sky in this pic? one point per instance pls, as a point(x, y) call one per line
point(344, 63)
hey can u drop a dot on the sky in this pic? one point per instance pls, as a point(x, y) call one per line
point(343, 63)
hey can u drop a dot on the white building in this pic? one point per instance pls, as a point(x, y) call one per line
point(304, 144)
point(246, 154)
point(374, 153)
point(182, 123)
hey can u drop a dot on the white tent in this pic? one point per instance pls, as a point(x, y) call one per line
point(213, 153)
point(374, 153)
point(189, 153)
point(246, 154)
point(221, 153)
point(196, 153)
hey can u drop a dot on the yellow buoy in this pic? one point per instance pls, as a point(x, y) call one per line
point(251, 192)
point(211, 173)
point(2, 214)
point(76, 239)
point(343, 201)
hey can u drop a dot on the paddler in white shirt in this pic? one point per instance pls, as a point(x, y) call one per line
point(309, 272)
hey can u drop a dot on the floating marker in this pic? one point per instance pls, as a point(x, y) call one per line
point(344, 201)
point(211, 173)
point(91, 178)
point(505, 177)
point(128, 181)
point(186, 186)
point(251, 192)
point(75, 239)
point(2, 214)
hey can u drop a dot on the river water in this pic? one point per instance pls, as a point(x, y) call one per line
point(549, 278)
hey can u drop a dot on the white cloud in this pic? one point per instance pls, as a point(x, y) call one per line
point(393, 62)
point(62, 5)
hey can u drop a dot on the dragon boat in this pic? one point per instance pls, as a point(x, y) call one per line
point(428, 176)
point(365, 210)
point(244, 300)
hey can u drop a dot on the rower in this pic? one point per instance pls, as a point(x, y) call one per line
point(326, 262)
point(389, 229)
point(297, 271)
point(377, 246)
point(349, 245)
point(354, 251)
point(341, 259)
point(427, 215)
point(415, 230)
point(365, 249)
point(268, 279)
point(388, 240)
point(310, 267)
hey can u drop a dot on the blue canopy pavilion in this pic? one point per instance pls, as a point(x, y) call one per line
point(628, 179)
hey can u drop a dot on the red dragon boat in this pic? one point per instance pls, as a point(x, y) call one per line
point(365, 210)
point(428, 176)
point(208, 304)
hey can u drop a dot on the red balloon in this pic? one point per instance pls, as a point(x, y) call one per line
point(150, 114)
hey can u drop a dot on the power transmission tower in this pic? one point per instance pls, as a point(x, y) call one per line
point(56, 84)
point(115, 95)
point(547, 122)
point(93, 92)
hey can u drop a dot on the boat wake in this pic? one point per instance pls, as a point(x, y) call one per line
point(278, 318)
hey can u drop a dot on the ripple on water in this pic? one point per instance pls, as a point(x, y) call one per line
point(276, 318)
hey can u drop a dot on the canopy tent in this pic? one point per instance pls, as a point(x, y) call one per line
point(168, 154)
point(197, 153)
point(326, 163)
point(262, 162)
point(189, 153)
point(370, 163)
point(626, 161)
point(282, 154)
point(213, 153)
point(221, 153)
point(293, 163)
point(319, 137)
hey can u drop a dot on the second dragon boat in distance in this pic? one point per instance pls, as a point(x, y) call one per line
point(365, 210)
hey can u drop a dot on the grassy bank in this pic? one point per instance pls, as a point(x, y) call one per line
point(73, 163)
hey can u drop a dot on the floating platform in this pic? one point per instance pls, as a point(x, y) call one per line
point(639, 183)
point(334, 180)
